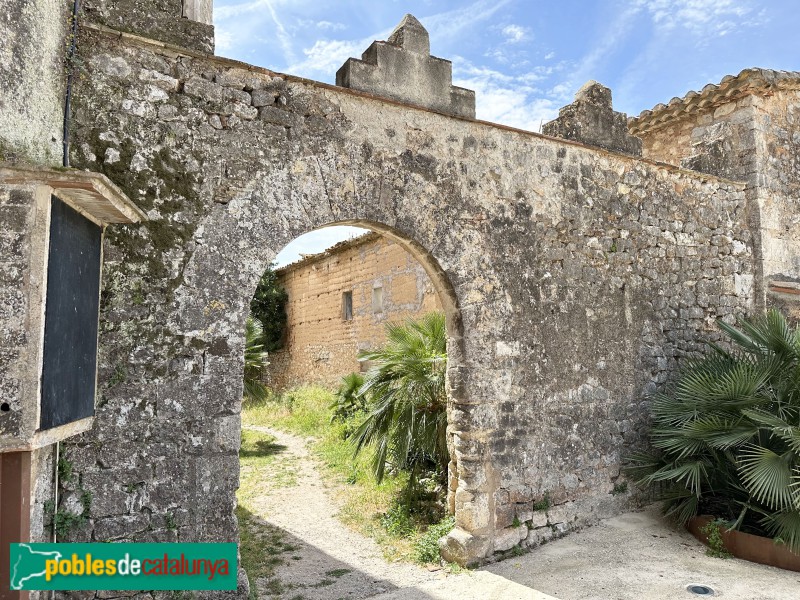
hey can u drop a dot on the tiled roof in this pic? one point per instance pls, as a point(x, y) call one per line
point(749, 81)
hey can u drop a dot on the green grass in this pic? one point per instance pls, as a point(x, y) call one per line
point(259, 456)
point(375, 510)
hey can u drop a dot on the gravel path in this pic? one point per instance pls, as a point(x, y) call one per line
point(329, 561)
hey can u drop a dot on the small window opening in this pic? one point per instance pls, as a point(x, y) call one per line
point(347, 306)
point(377, 299)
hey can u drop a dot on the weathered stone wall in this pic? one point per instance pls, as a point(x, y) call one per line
point(24, 215)
point(15, 235)
point(573, 280)
point(321, 346)
point(185, 23)
point(32, 76)
point(755, 139)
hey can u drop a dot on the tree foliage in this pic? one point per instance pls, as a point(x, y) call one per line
point(726, 439)
point(255, 359)
point(269, 307)
point(407, 417)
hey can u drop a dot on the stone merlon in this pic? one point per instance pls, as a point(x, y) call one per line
point(403, 69)
point(591, 119)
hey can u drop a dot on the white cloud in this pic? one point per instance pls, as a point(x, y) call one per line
point(283, 35)
point(701, 18)
point(515, 33)
point(449, 24)
point(329, 26)
point(229, 11)
point(549, 55)
point(508, 99)
point(325, 57)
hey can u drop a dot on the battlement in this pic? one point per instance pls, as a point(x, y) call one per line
point(591, 119)
point(402, 68)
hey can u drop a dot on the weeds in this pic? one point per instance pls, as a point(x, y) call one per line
point(620, 488)
point(716, 545)
point(426, 547)
point(543, 504)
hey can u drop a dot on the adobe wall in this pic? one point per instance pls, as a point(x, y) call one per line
point(321, 346)
point(573, 280)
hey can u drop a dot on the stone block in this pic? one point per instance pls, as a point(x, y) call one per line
point(277, 116)
point(120, 528)
point(203, 89)
point(463, 548)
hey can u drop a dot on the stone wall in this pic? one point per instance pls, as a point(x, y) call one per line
point(32, 76)
point(186, 23)
point(19, 280)
point(22, 215)
point(573, 280)
point(321, 346)
point(748, 129)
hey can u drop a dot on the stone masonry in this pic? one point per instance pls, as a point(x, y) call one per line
point(321, 345)
point(403, 69)
point(574, 278)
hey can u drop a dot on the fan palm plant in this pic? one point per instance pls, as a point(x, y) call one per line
point(255, 359)
point(726, 439)
point(348, 399)
point(407, 419)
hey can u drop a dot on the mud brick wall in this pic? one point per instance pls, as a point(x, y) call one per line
point(320, 345)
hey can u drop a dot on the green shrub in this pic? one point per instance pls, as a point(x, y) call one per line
point(726, 438)
point(716, 546)
point(426, 548)
point(348, 401)
point(268, 306)
point(397, 520)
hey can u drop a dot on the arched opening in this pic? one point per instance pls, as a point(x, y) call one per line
point(339, 298)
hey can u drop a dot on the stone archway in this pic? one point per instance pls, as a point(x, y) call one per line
point(212, 314)
point(563, 261)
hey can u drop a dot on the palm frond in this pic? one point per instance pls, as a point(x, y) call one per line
point(785, 528)
point(406, 385)
point(255, 359)
point(767, 476)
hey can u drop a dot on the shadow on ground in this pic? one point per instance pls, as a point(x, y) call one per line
point(286, 567)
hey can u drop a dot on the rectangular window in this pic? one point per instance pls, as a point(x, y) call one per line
point(70, 321)
point(377, 299)
point(347, 306)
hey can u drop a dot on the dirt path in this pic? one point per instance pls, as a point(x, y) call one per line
point(328, 560)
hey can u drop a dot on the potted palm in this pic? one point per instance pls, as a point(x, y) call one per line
point(726, 443)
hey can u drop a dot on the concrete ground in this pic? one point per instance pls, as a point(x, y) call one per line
point(635, 556)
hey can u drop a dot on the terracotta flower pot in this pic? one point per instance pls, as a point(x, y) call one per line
point(747, 546)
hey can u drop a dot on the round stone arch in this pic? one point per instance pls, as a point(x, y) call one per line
point(237, 241)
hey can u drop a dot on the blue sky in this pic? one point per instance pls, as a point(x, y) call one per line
point(526, 59)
